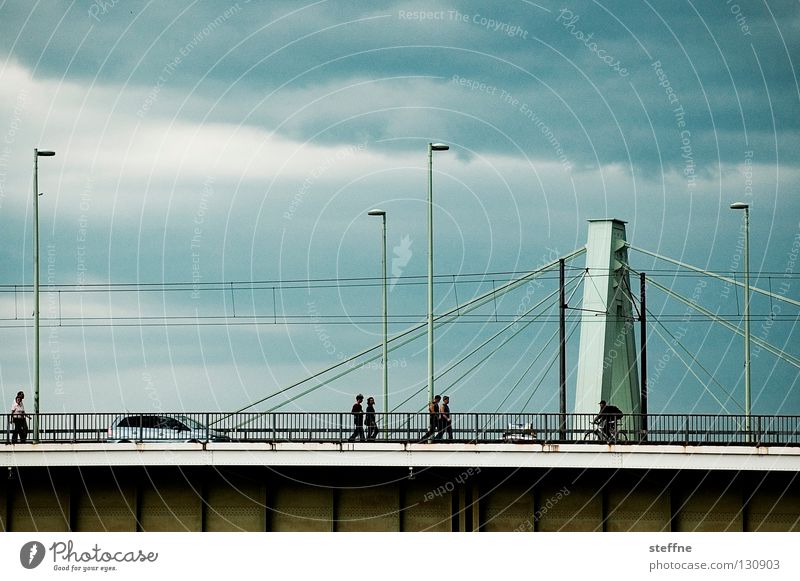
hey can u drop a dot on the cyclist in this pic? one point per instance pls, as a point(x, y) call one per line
point(607, 418)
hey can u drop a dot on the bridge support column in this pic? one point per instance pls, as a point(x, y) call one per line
point(469, 513)
point(502, 499)
point(607, 367)
point(5, 499)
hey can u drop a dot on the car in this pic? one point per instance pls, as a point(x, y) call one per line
point(161, 428)
point(519, 433)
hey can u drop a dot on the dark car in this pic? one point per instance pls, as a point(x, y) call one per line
point(519, 433)
point(161, 428)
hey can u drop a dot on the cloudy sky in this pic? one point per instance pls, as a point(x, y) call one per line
point(215, 162)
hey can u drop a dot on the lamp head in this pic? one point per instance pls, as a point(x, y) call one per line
point(45, 153)
point(376, 212)
point(739, 206)
point(439, 146)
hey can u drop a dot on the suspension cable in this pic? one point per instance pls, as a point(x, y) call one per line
point(541, 352)
point(520, 317)
point(718, 276)
point(694, 359)
point(768, 346)
point(486, 342)
point(419, 330)
point(547, 370)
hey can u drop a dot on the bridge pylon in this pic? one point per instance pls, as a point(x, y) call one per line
point(607, 364)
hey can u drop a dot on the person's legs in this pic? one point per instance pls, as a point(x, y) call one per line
point(439, 429)
point(431, 429)
point(24, 434)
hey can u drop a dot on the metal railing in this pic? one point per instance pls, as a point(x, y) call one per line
point(544, 428)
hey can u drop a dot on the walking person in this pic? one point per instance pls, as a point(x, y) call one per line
point(358, 420)
point(19, 419)
point(372, 425)
point(433, 418)
point(446, 419)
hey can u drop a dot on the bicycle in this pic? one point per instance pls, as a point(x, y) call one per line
point(615, 434)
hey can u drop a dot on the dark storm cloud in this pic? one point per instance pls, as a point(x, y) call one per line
point(596, 76)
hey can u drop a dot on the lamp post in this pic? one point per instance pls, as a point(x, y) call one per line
point(746, 208)
point(431, 148)
point(382, 214)
point(36, 154)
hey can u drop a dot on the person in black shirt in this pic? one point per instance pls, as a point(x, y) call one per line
point(446, 424)
point(358, 419)
point(607, 418)
point(433, 418)
point(372, 425)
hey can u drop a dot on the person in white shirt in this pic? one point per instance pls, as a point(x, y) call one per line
point(19, 419)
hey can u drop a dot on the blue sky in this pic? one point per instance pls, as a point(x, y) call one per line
point(216, 142)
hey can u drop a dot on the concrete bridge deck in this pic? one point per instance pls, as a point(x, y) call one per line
point(404, 455)
point(398, 487)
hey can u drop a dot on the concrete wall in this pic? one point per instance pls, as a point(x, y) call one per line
point(386, 499)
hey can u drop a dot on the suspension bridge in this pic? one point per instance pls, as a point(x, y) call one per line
point(261, 468)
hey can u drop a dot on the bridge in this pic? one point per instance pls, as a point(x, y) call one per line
point(267, 470)
point(389, 486)
point(500, 472)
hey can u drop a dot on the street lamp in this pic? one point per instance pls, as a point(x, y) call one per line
point(382, 214)
point(746, 208)
point(431, 148)
point(36, 154)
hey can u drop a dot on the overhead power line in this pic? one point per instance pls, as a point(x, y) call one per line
point(370, 282)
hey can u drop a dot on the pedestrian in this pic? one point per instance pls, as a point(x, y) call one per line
point(19, 419)
point(433, 418)
point(358, 420)
point(372, 425)
point(446, 419)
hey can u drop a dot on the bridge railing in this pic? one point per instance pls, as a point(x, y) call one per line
point(546, 428)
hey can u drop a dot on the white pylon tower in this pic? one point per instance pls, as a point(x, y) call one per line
point(607, 364)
